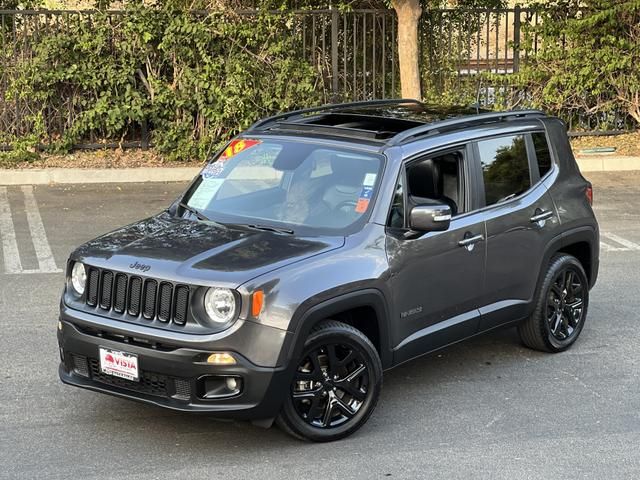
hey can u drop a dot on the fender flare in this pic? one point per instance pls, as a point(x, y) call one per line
point(586, 234)
point(306, 317)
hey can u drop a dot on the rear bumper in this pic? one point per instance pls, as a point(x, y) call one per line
point(171, 377)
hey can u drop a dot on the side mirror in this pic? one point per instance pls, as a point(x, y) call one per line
point(430, 218)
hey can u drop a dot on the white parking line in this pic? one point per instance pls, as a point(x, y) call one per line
point(610, 248)
point(10, 253)
point(40, 243)
point(627, 244)
point(9, 245)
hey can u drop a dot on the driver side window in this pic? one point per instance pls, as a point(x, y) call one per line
point(438, 178)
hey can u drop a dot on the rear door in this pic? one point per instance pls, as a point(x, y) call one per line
point(520, 221)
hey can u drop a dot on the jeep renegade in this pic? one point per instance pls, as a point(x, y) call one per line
point(324, 246)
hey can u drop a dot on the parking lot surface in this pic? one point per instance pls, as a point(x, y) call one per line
point(485, 408)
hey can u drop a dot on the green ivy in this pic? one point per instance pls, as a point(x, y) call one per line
point(194, 79)
point(587, 66)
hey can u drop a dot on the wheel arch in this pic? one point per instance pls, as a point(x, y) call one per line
point(582, 243)
point(353, 308)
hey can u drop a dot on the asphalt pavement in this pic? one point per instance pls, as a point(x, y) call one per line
point(486, 408)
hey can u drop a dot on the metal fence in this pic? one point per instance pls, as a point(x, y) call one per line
point(354, 54)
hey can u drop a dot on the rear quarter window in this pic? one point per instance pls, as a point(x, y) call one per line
point(543, 155)
point(505, 167)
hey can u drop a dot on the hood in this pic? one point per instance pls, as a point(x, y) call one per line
point(200, 253)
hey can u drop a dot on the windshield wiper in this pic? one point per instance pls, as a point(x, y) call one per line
point(269, 228)
point(197, 213)
point(201, 216)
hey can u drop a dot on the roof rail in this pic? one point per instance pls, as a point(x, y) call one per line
point(335, 106)
point(436, 127)
point(332, 130)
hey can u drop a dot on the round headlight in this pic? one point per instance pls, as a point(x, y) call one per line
point(220, 304)
point(78, 278)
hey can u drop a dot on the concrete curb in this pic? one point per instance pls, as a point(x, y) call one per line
point(607, 163)
point(46, 176)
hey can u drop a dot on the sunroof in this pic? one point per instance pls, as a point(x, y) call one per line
point(373, 121)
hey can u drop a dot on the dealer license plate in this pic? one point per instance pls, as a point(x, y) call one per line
point(119, 364)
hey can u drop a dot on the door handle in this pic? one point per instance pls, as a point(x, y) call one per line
point(543, 215)
point(465, 242)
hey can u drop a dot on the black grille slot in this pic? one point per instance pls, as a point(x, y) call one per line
point(92, 287)
point(150, 294)
point(80, 365)
point(120, 293)
point(183, 389)
point(181, 305)
point(106, 291)
point(135, 294)
point(164, 302)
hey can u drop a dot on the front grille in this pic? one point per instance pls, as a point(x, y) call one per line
point(122, 293)
point(150, 383)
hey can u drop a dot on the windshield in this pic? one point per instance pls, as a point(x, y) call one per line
point(270, 182)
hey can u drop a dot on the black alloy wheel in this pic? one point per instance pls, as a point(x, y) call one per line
point(561, 307)
point(565, 304)
point(335, 386)
point(330, 385)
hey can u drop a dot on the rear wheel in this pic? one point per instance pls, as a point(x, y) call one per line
point(336, 384)
point(561, 307)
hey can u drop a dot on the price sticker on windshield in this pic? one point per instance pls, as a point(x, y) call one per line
point(215, 169)
point(366, 193)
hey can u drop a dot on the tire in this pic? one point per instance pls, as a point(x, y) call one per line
point(561, 307)
point(336, 385)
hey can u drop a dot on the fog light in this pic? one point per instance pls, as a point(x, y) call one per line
point(59, 325)
point(221, 358)
point(232, 384)
point(212, 387)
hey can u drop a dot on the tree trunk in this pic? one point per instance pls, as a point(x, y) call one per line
point(408, 12)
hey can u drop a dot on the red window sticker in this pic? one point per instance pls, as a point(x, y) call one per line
point(214, 169)
point(237, 146)
point(362, 205)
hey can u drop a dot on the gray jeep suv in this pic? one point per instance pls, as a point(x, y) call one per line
point(323, 246)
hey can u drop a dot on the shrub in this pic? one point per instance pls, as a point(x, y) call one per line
point(588, 62)
point(193, 79)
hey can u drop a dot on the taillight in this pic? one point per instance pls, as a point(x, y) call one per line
point(589, 194)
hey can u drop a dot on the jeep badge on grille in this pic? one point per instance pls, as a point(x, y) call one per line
point(140, 266)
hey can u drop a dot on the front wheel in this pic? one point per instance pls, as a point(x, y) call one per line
point(335, 387)
point(561, 307)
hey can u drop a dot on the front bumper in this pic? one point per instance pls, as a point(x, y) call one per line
point(169, 377)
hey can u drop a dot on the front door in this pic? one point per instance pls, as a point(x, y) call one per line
point(436, 277)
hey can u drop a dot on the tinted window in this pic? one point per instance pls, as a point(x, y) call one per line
point(396, 216)
point(438, 178)
point(505, 168)
point(542, 152)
